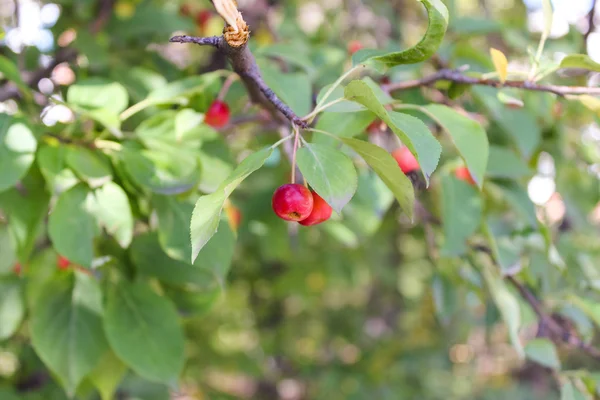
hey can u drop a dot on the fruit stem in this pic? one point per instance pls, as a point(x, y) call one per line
point(285, 139)
point(331, 135)
point(317, 110)
point(296, 142)
point(226, 85)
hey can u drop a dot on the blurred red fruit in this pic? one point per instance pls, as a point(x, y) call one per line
point(217, 114)
point(406, 160)
point(62, 263)
point(354, 46)
point(321, 211)
point(202, 18)
point(292, 202)
point(463, 174)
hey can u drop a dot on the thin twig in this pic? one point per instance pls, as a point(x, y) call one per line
point(457, 77)
point(591, 22)
point(214, 41)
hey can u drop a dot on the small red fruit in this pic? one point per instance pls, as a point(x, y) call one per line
point(405, 159)
point(376, 127)
point(354, 46)
point(321, 211)
point(217, 114)
point(17, 269)
point(235, 216)
point(62, 263)
point(202, 18)
point(292, 202)
point(463, 174)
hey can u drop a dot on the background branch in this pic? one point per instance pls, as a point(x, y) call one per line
point(458, 77)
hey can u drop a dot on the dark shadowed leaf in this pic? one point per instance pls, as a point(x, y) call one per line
point(174, 219)
point(504, 163)
point(388, 170)
point(468, 136)
point(461, 213)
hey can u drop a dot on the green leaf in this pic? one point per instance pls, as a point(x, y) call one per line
point(175, 91)
point(11, 72)
point(217, 255)
point(17, 150)
point(543, 352)
point(108, 374)
point(349, 106)
point(164, 172)
point(207, 212)
point(579, 61)
point(113, 212)
point(66, 328)
point(461, 214)
point(144, 331)
point(520, 125)
point(506, 251)
point(7, 249)
point(413, 133)
point(98, 93)
point(329, 172)
point(151, 261)
point(51, 160)
point(174, 219)
point(468, 136)
point(388, 170)
point(72, 226)
point(519, 199)
point(294, 89)
point(12, 306)
point(104, 117)
point(504, 163)
point(568, 391)
point(296, 54)
point(90, 166)
point(342, 125)
point(182, 130)
point(26, 212)
point(437, 14)
point(589, 307)
point(507, 304)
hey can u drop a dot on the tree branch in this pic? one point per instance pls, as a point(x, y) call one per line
point(214, 41)
point(234, 44)
point(244, 64)
point(457, 77)
point(557, 330)
point(11, 91)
